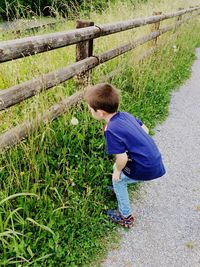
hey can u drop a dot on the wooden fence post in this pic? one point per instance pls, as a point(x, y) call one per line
point(155, 27)
point(179, 18)
point(83, 50)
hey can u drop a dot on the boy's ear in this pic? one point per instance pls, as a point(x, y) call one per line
point(101, 112)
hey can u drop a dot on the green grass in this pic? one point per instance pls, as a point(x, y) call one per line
point(53, 185)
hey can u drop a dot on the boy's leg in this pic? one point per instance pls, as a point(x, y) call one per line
point(121, 191)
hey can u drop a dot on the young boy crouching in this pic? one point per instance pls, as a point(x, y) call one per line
point(137, 157)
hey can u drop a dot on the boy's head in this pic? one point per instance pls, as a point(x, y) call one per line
point(102, 99)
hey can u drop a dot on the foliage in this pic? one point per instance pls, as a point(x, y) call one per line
point(53, 185)
point(28, 8)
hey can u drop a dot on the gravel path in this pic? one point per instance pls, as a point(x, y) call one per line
point(167, 231)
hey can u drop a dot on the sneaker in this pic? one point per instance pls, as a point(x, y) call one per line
point(118, 218)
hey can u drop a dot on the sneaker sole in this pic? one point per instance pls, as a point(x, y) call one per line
point(125, 225)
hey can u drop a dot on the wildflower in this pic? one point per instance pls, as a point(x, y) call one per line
point(74, 121)
point(175, 48)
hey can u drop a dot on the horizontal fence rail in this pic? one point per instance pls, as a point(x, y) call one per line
point(18, 93)
point(38, 27)
point(17, 28)
point(18, 133)
point(27, 89)
point(32, 45)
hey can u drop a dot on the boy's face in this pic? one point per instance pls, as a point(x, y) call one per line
point(98, 115)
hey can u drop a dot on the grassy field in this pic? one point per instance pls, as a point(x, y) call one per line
point(53, 185)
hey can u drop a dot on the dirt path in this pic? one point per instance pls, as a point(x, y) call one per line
point(167, 231)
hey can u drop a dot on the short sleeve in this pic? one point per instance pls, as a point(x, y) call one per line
point(114, 145)
point(139, 121)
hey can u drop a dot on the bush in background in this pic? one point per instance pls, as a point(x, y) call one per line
point(27, 8)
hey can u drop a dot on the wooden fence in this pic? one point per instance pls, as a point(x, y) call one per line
point(18, 48)
point(18, 29)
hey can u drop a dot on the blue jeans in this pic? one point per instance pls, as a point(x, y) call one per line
point(121, 191)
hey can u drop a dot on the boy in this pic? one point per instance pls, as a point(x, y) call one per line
point(137, 157)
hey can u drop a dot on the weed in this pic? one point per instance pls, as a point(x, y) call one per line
point(53, 185)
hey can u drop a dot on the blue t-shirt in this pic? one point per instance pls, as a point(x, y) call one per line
point(125, 134)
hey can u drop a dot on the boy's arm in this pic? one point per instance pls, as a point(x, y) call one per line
point(144, 127)
point(120, 163)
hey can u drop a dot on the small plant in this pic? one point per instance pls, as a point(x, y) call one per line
point(53, 185)
point(198, 208)
point(190, 245)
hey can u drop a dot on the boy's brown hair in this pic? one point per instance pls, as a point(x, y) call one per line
point(103, 96)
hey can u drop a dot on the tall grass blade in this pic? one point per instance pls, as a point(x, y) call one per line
point(9, 232)
point(44, 227)
point(17, 195)
point(41, 258)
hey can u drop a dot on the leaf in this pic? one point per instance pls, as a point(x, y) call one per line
point(41, 258)
point(17, 195)
point(44, 227)
point(30, 251)
point(9, 233)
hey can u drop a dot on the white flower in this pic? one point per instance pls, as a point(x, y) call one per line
point(175, 48)
point(74, 121)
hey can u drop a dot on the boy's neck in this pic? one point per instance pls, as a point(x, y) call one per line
point(108, 117)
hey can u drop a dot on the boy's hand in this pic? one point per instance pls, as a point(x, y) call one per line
point(120, 163)
point(116, 175)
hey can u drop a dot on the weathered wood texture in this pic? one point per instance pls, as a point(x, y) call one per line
point(127, 47)
point(178, 18)
point(112, 74)
point(16, 134)
point(36, 28)
point(37, 44)
point(18, 93)
point(155, 27)
point(83, 50)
